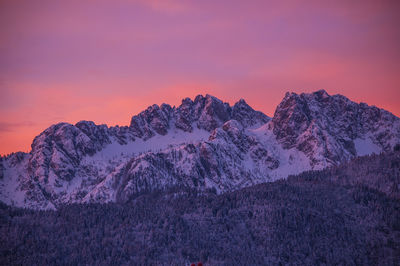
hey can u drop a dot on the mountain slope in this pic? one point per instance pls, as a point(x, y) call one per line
point(203, 143)
point(332, 129)
point(311, 219)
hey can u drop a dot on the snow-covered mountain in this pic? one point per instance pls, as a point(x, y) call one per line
point(204, 143)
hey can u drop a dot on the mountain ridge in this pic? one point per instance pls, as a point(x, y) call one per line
point(203, 143)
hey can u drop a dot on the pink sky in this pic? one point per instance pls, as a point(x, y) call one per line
point(108, 60)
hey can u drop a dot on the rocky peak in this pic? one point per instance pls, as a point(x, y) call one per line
point(153, 120)
point(96, 133)
point(321, 94)
point(246, 115)
point(206, 112)
point(184, 115)
point(213, 112)
point(312, 121)
point(291, 117)
point(62, 146)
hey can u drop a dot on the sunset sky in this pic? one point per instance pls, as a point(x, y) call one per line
point(108, 60)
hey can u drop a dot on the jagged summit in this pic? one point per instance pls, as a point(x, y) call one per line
point(203, 143)
point(312, 121)
point(204, 112)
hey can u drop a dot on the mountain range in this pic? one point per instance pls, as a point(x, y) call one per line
point(203, 144)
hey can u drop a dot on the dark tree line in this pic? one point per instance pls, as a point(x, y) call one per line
point(335, 216)
point(380, 172)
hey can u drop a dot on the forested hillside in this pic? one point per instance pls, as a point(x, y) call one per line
point(344, 215)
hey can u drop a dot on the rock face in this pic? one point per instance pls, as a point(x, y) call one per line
point(62, 146)
point(203, 143)
point(328, 128)
point(205, 113)
point(242, 112)
point(153, 120)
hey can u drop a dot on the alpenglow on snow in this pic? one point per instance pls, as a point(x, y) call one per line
point(203, 143)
